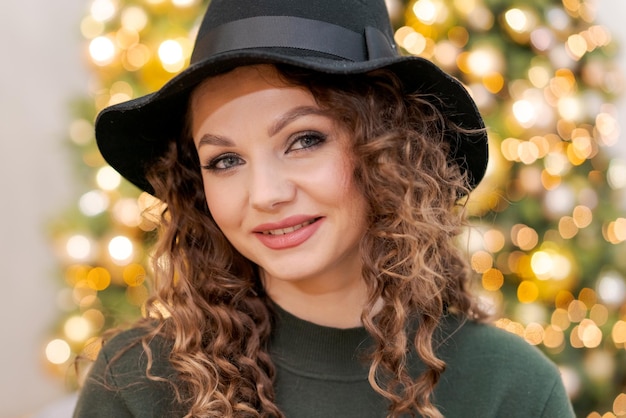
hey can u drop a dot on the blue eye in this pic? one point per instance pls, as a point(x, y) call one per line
point(307, 140)
point(223, 162)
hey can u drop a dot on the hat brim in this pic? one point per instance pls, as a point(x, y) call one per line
point(132, 135)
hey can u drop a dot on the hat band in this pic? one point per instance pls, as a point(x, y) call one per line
point(294, 32)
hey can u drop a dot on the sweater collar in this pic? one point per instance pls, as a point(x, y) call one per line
point(315, 349)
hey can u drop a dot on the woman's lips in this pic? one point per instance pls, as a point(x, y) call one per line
point(288, 233)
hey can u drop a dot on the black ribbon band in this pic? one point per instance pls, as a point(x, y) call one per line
point(293, 32)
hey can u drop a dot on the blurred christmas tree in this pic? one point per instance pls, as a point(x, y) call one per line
point(549, 223)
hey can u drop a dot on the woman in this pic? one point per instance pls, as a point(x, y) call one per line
point(306, 265)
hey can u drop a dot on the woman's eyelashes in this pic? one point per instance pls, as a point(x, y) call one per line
point(306, 140)
point(300, 142)
point(223, 162)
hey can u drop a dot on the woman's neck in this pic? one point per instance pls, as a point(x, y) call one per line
point(334, 306)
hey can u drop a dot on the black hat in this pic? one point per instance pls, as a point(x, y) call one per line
point(328, 36)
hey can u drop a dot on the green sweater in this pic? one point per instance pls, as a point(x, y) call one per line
point(490, 373)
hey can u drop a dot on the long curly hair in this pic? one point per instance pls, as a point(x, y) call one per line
point(218, 318)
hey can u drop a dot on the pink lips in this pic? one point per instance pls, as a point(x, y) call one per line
point(288, 233)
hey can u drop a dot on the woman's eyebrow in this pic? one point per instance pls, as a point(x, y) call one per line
point(216, 140)
point(282, 121)
point(291, 115)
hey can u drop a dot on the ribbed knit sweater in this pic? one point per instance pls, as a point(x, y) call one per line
point(320, 374)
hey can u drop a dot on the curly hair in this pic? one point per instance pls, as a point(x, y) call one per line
point(218, 317)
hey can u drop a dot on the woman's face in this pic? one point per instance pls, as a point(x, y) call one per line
point(278, 180)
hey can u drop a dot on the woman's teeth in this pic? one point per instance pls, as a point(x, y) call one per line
point(284, 231)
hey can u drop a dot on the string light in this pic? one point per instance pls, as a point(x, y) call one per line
point(121, 249)
point(93, 203)
point(102, 10)
point(102, 50)
point(108, 179)
point(58, 351)
point(171, 55)
point(79, 247)
point(134, 18)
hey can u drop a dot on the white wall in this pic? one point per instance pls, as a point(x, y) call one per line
point(611, 13)
point(40, 71)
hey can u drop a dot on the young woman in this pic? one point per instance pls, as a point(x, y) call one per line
point(306, 265)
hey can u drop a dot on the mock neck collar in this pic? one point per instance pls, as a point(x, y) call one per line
point(309, 348)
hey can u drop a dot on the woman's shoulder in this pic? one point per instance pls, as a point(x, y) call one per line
point(478, 340)
point(482, 359)
point(131, 337)
point(129, 353)
point(131, 376)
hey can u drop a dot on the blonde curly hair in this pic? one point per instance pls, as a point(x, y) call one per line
point(219, 319)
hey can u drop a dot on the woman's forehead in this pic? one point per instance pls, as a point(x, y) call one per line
point(239, 77)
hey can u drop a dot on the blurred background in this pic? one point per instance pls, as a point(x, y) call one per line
point(547, 74)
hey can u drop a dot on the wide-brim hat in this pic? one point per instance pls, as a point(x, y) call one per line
point(328, 36)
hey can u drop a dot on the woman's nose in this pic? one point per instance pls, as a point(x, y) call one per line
point(270, 186)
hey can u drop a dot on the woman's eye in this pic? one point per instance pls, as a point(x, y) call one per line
point(223, 162)
point(307, 140)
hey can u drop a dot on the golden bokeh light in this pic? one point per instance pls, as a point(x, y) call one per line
point(576, 45)
point(589, 333)
point(430, 11)
point(93, 202)
point(615, 231)
point(134, 274)
point(492, 279)
point(494, 240)
point(608, 127)
point(518, 20)
point(574, 338)
point(481, 261)
point(79, 247)
point(618, 333)
point(102, 50)
point(95, 318)
point(619, 405)
point(599, 314)
point(126, 38)
point(136, 57)
point(484, 61)
point(415, 43)
point(553, 337)
point(588, 297)
point(98, 278)
point(58, 351)
point(402, 33)
point(567, 227)
point(560, 319)
point(121, 249)
point(170, 52)
point(582, 216)
point(134, 18)
point(107, 178)
point(127, 212)
point(527, 292)
point(611, 288)
point(616, 174)
point(77, 328)
point(577, 311)
point(524, 237)
point(534, 333)
point(103, 10)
